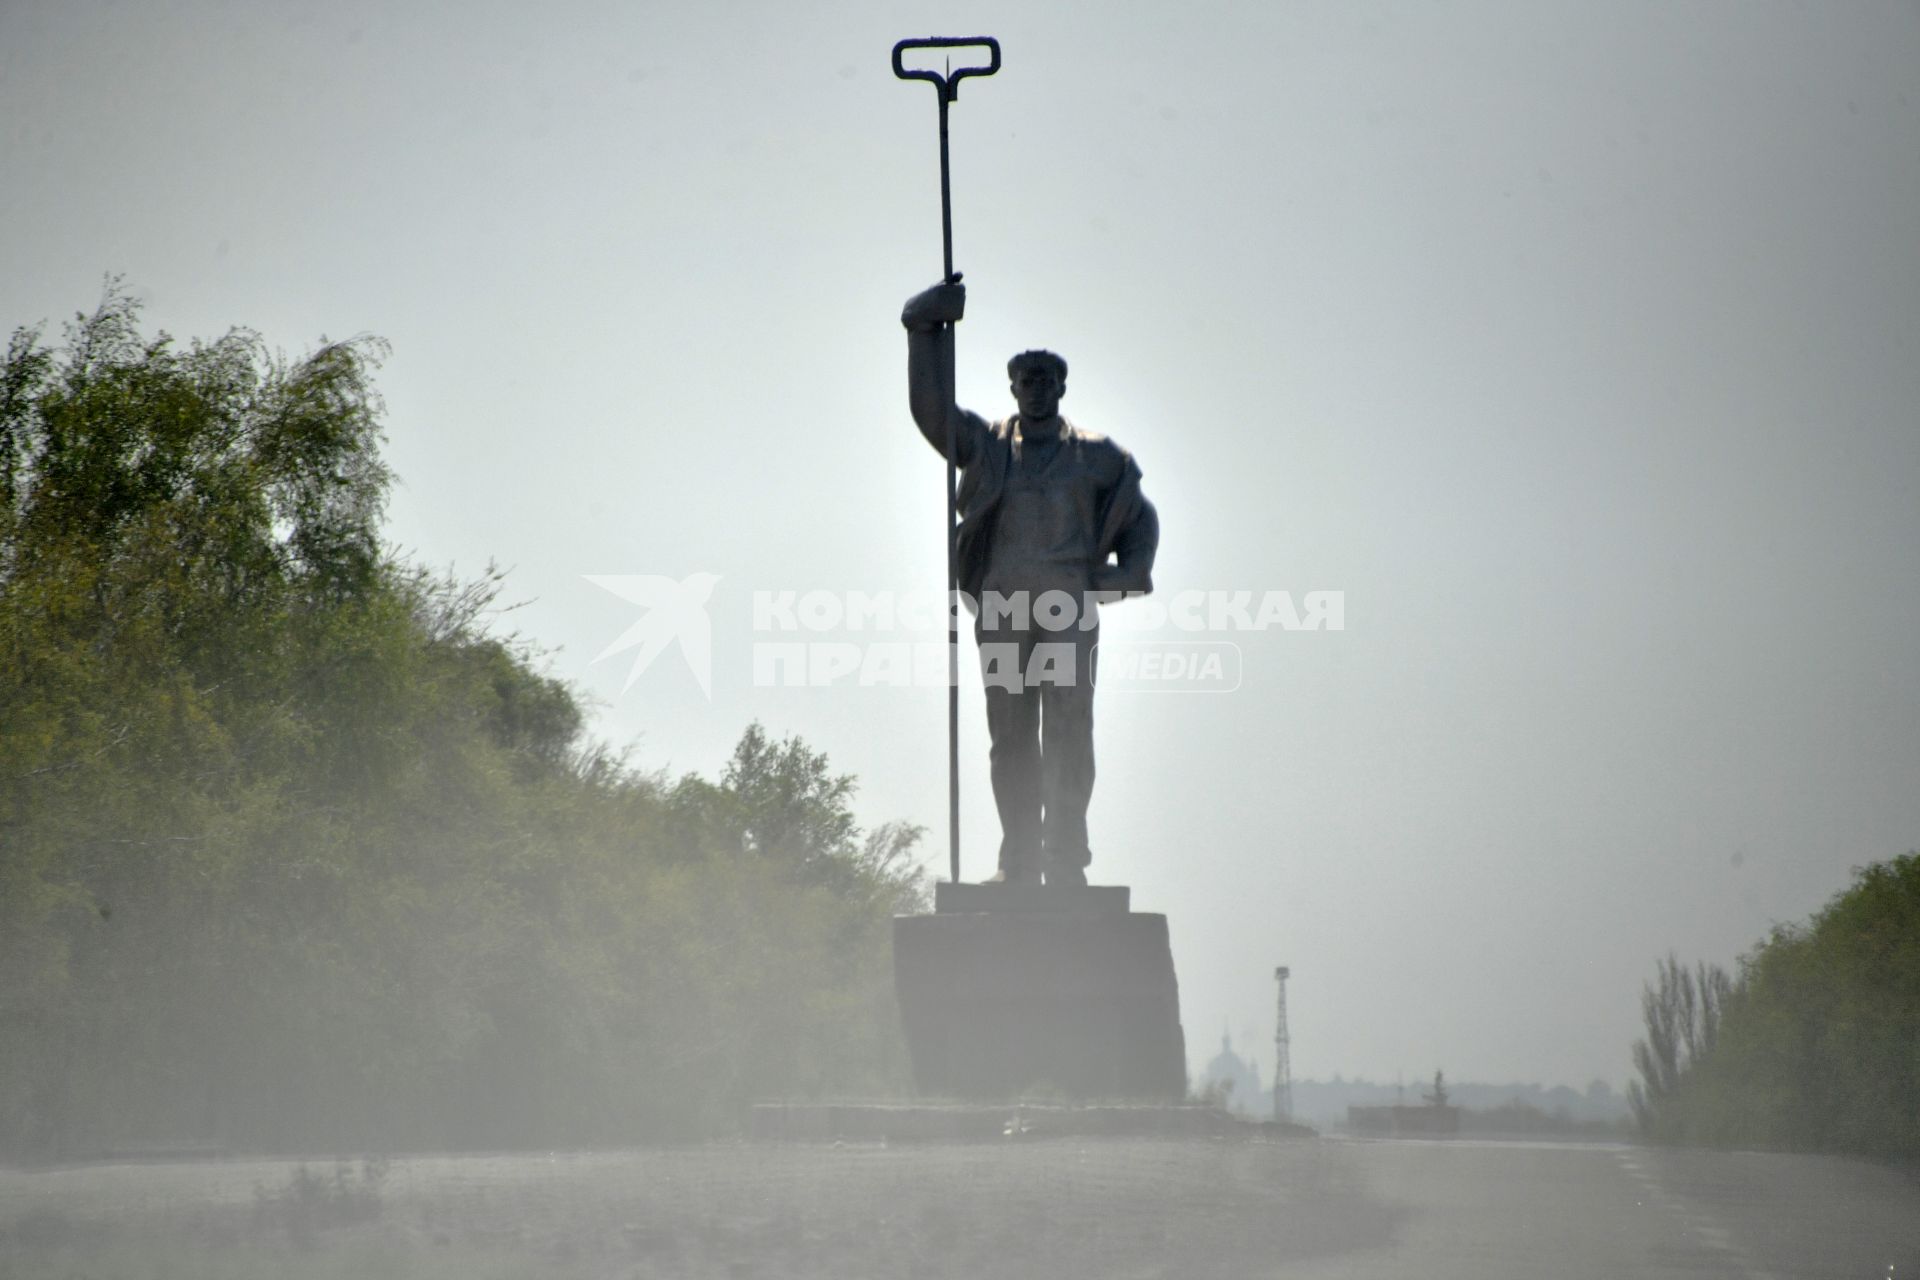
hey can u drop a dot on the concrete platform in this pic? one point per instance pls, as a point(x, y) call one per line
point(1037, 990)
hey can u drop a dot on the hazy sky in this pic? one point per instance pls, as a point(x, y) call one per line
point(1579, 345)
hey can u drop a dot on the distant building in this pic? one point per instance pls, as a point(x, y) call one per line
point(1439, 1116)
point(1324, 1103)
point(1240, 1079)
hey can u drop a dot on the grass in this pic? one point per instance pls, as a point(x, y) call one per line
point(183, 1259)
point(1059, 1209)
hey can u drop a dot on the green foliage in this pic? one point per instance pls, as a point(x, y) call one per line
point(1682, 1015)
point(1818, 1044)
point(296, 850)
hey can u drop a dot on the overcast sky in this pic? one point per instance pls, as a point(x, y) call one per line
point(1578, 345)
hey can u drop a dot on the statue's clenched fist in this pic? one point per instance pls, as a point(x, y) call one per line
point(927, 310)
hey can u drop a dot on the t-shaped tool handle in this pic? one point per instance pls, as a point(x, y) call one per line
point(948, 84)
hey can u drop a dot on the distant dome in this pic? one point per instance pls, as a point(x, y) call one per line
point(1240, 1077)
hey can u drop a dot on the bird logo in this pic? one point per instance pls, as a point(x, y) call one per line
point(673, 611)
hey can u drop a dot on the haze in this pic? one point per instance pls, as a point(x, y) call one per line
point(1578, 346)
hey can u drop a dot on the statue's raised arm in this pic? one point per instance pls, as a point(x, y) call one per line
point(929, 317)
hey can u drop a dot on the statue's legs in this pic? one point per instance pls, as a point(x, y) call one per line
point(1013, 725)
point(1039, 688)
point(1066, 760)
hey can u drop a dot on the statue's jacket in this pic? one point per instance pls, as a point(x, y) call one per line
point(1128, 526)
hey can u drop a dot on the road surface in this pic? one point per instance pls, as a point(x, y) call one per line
point(1495, 1210)
point(1060, 1209)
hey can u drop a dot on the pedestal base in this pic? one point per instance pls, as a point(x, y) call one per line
point(1013, 990)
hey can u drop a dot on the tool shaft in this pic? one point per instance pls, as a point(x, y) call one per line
point(947, 86)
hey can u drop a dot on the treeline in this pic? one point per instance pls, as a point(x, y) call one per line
point(1814, 1044)
point(1598, 1103)
point(298, 852)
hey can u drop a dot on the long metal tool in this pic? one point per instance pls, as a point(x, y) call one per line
point(948, 85)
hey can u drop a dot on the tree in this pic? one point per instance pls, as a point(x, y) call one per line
point(1820, 1049)
point(1816, 1046)
point(1681, 1010)
point(785, 805)
point(297, 849)
point(179, 529)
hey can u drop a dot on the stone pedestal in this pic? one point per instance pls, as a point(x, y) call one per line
point(1011, 990)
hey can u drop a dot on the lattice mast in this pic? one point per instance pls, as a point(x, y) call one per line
point(1282, 1064)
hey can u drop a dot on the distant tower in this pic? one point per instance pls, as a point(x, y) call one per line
point(1282, 1063)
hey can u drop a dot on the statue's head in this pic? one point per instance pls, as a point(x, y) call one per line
point(1038, 379)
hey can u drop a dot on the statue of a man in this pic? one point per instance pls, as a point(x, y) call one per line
point(1049, 513)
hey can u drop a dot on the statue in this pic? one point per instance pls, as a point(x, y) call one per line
point(1049, 514)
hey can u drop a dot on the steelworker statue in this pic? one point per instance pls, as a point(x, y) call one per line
point(1052, 522)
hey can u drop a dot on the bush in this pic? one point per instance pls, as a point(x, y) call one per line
point(310, 1203)
point(301, 853)
point(1817, 1043)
